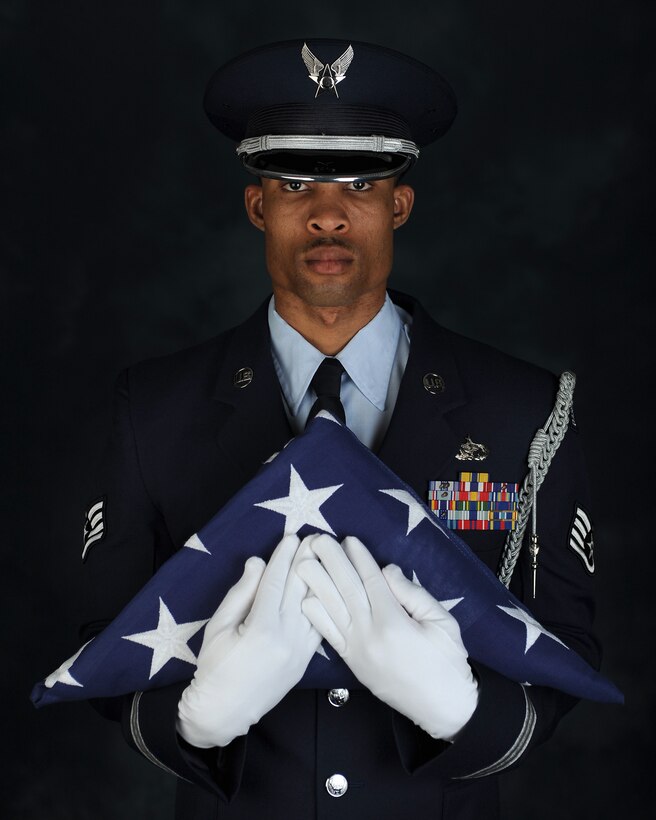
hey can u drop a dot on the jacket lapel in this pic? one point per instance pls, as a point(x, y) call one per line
point(420, 440)
point(253, 424)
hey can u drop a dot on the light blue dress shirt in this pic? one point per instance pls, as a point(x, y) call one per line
point(374, 361)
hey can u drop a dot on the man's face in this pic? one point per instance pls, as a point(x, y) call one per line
point(328, 243)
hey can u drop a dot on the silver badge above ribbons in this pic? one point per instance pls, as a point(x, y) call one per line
point(472, 451)
point(326, 76)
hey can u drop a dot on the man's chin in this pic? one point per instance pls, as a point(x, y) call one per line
point(331, 293)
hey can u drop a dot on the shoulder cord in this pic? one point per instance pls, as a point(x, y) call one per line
point(543, 448)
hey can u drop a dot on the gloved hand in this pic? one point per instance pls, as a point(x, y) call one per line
point(256, 647)
point(396, 638)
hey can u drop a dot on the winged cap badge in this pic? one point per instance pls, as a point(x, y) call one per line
point(326, 76)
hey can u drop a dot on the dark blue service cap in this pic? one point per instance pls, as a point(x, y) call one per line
point(328, 110)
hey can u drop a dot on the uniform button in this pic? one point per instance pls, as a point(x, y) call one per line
point(338, 697)
point(336, 785)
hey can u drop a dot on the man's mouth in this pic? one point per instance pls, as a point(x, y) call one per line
point(331, 259)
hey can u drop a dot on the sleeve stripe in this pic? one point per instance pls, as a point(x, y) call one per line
point(95, 529)
point(584, 518)
point(89, 541)
point(97, 507)
point(576, 537)
point(138, 737)
point(95, 518)
point(516, 750)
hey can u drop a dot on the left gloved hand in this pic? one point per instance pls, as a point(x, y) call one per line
point(396, 638)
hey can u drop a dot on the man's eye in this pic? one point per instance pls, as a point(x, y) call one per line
point(294, 185)
point(360, 185)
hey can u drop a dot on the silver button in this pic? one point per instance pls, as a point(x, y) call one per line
point(433, 383)
point(338, 697)
point(336, 785)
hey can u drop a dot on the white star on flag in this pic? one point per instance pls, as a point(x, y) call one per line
point(62, 675)
point(301, 506)
point(169, 640)
point(416, 512)
point(533, 628)
point(194, 543)
point(448, 604)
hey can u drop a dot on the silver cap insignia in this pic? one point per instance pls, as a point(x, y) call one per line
point(326, 76)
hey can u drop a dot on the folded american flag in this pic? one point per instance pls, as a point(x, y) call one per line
point(325, 480)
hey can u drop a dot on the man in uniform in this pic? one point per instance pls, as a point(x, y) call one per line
point(330, 128)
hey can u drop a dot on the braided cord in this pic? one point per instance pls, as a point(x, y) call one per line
point(543, 448)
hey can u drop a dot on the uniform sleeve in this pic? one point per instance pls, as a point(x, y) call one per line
point(512, 718)
point(125, 541)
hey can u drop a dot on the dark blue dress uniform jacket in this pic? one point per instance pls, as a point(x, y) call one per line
point(185, 439)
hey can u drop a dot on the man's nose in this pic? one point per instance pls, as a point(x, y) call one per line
point(327, 214)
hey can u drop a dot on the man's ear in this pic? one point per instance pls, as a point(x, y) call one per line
point(404, 197)
point(253, 203)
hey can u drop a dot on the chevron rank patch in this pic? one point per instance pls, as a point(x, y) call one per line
point(581, 538)
point(94, 525)
point(474, 502)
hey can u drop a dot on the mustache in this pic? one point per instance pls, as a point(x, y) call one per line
point(328, 242)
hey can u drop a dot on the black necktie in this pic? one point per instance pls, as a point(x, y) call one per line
point(326, 383)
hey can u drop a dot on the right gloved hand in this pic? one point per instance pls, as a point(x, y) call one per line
point(397, 639)
point(256, 647)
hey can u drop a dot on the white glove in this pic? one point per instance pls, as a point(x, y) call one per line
point(256, 647)
point(396, 638)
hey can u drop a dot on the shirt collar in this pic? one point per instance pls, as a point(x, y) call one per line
point(368, 358)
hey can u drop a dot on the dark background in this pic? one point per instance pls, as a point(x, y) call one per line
point(123, 237)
